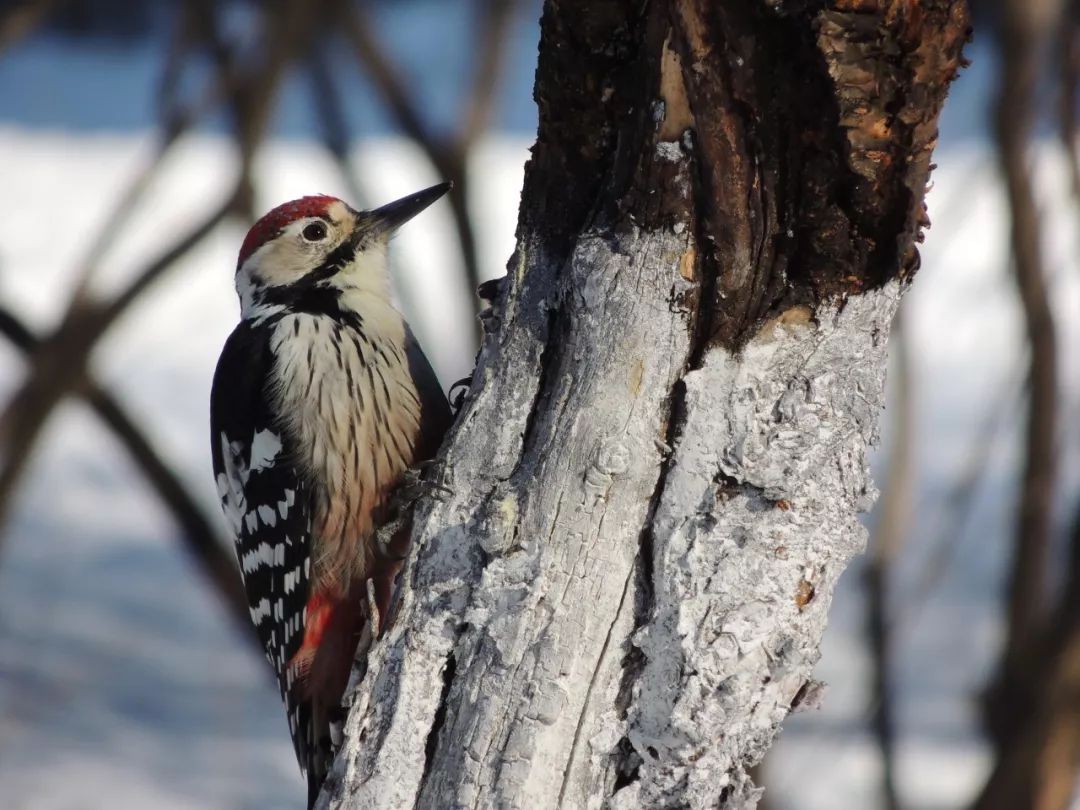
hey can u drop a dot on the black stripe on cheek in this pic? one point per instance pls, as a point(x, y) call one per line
point(334, 263)
point(309, 294)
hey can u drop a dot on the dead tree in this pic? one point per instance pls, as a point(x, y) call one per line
point(617, 588)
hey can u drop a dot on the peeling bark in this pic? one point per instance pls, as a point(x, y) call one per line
point(619, 591)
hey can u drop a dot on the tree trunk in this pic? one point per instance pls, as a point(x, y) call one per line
point(618, 592)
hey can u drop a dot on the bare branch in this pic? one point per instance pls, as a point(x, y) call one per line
point(197, 27)
point(121, 211)
point(958, 502)
point(1039, 766)
point(210, 553)
point(333, 126)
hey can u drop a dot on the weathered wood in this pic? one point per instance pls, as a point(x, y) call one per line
point(653, 485)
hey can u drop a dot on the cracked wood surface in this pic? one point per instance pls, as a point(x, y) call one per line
point(619, 591)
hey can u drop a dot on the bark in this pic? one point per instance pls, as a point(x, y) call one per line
point(617, 593)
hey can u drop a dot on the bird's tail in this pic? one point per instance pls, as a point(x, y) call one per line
point(346, 628)
point(315, 779)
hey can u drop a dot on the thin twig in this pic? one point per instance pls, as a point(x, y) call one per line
point(335, 134)
point(199, 24)
point(109, 313)
point(958, 505)
point(118, 217)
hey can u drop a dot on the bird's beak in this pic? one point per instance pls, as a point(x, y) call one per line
point(390, 217)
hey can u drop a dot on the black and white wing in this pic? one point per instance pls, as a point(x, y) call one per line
point(267, 507)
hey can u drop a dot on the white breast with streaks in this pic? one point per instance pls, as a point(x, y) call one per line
point(347, 399)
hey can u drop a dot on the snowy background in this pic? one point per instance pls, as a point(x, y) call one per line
point(123, 682)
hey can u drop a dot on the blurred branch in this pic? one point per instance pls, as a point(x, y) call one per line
point(1032, 708)
point(449, 156)
point(20, 19)
point(333, 125)
point(121, 211)
point(1069, 66)
point(495, 19)
point(958, 504)
point(1038, 769)
point(386, 77)
point(198, 25)
point(201, 540)
point(334, 130)
point(59, 364)
point(184, 37)
point(890, 534)
point(1020, 32)
point(104, 316)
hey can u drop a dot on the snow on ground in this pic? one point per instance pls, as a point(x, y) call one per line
point(121, 682)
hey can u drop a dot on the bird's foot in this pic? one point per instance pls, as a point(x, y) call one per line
point(394, 528)
point(458, 391)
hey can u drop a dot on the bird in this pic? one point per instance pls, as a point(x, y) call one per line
point(322, 402)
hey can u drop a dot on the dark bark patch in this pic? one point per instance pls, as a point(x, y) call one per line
point(813, 167)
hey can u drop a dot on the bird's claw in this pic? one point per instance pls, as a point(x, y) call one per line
point(458, 391)
point(399, 508)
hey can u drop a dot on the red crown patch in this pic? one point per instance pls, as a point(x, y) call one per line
point(271, 224)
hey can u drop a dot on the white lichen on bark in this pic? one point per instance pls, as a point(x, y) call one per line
point(756, 522)
point(589, 618)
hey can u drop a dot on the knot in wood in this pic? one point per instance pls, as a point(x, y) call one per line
point(612, 458)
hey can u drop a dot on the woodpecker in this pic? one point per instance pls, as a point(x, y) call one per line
point(321, 402)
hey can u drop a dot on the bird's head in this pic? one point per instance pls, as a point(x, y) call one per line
point(320, 244)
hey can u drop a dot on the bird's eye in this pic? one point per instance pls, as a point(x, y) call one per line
point(315, 232)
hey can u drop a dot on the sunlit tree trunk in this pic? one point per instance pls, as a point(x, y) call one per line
point(618, 592)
